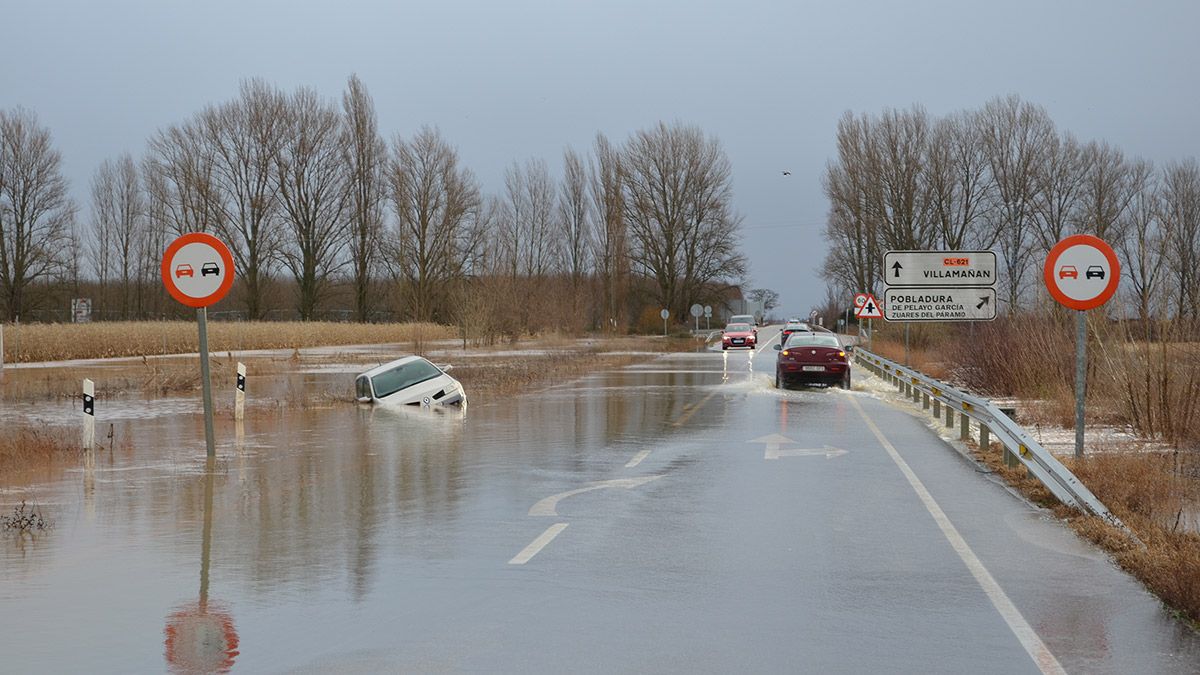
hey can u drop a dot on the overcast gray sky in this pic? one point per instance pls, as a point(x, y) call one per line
point(518, 79)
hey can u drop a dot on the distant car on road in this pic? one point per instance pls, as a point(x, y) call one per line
point(210, 268)
point(812, 358)
point(184, 270)
point(739, 335)
point(747, 319)
point(1068, 272)
point(793, 326)
point(1094, 272)
point(410, 380)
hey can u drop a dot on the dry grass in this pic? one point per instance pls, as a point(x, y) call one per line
point(59, 342)
point(27, 447)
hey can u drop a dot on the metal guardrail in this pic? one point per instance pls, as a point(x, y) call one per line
point(991, 420)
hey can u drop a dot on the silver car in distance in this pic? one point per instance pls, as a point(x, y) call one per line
point(411, 380)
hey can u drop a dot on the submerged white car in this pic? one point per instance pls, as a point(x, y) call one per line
point(411, 380)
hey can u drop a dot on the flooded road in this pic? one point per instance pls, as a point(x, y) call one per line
point(678, 515)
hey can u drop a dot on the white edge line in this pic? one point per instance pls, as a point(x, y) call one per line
point(538, 544)
point(637, 459)
point(1037, 650)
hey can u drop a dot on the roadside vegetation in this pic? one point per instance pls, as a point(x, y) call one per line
point(57, 342)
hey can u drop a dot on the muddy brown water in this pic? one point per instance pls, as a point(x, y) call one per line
point(159, 559)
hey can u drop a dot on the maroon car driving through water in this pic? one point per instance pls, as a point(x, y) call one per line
point(812, 358)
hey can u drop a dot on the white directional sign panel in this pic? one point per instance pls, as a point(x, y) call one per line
point(940, 304)
point(939, 268)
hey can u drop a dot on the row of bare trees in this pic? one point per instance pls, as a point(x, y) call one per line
point(309, 195)
point(1004, 178)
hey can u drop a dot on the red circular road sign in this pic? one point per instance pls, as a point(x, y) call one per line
point(197, 269)
point(1082, 272)
point(860, 300)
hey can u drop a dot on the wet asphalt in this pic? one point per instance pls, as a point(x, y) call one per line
point(681, 515)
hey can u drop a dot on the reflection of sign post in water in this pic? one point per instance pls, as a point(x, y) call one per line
point(197, 270)
point(1081, 273)
point(200, 637)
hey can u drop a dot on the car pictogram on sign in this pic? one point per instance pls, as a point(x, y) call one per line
point(1068, 272)
point(1094, 272)
point(184, 270)
point(210, 268)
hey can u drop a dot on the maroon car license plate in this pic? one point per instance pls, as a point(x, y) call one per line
point(814, 369)
point(738, 341)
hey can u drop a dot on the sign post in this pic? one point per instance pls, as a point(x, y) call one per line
point(697, 310)
point(1081, 272)
point(197, 270)
point(665, 314)
point(708, 317)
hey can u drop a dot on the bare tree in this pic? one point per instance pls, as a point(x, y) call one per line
point(436, 205)
point(1107, 191)
point(244, 137)
point(118, 225)
point(1015, 134)
point(1142, 243)
point(36, 212)
point(179, 176)
point(897, 149)
point(1060, 183)
point(678, 195)
point(852, 230)
point(312, 184)
point(956, 175)
point(575, 220)
point(365, 156)
point(611, 241)
point(1180, 213)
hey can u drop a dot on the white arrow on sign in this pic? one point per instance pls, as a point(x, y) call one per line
point(774, 450)
point(549, 505)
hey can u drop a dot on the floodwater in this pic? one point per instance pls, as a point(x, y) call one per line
point(624, 521)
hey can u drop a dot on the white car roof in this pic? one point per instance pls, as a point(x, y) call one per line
point(391, 364)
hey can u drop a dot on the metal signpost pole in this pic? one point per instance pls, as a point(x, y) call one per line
point(1080, 377)
point(206, 383)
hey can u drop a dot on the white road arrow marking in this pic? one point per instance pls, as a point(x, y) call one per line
point(829, 452)
point(774, 450)
point(549, 505)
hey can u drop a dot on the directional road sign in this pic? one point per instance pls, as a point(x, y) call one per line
point(939, 268)
point(940, 304)
point(869, 309)
point(1082, 272)
point(197, 269)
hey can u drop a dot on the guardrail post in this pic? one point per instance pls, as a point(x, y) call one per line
point(1010, 460)
point(949, 417)
point(985, 441)
point(925, 400)
point(964, 431)
point(937, 408)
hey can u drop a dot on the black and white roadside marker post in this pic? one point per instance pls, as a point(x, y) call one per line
point(197, 270)
point(1081, 272)
point(89, 415)
point(239, 396)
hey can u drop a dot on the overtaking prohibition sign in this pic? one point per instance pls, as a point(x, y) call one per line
point(197, 269)
point(1082, 272)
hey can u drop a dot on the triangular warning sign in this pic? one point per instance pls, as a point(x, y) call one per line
point(869, 310)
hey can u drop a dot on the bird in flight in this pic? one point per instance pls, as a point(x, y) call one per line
point(787, 173)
